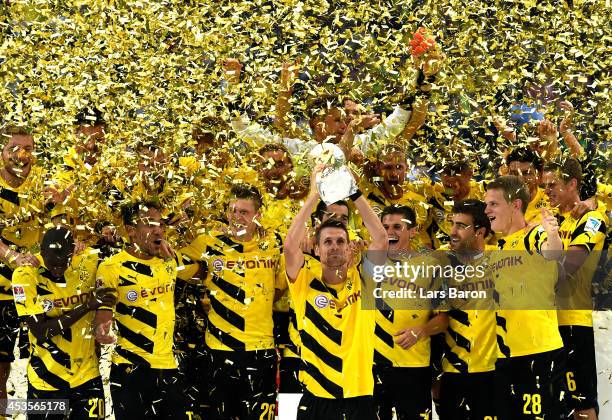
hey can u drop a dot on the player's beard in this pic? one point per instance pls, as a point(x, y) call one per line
point(18, 168)
point(335, 260)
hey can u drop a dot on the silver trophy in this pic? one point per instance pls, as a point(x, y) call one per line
point(335, 182)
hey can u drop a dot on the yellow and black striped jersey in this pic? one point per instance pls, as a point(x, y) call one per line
point(21, 210)
point(524, 281)
point(242, 278)
point(314, 265)
point(394, 316)
point(337, 335)
point(410, 198)
point(533, 213)
point(470, 340)
point(144, 313)
point(69, 359)
point(587, 232)
point(441, 208)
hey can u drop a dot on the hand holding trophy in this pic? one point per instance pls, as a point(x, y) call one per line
point(335, 182)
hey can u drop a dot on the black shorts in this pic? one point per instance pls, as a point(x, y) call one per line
point(581, 369)
point(9, 330)
point(408, 390)
point(140, 392)
point(316, 408)
point(467, 396)
point(531, 387)
point(193, 371)
point(85, 401)
point(290, 376)
point(242, 384)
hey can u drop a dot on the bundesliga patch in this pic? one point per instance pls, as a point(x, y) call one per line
point(217, 264)
point(321, 301)
point(19, 293)
point(592, 225)
point(131, 295)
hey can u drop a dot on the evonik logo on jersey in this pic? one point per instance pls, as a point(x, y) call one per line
point(322, 301)
point(132, 295)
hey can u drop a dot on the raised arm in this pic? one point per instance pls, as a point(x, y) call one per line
point(379, 240)
point(356, 126)
point(552, 249)
point(292, 248)
point(283, 105)
point(565, 129)
point(417, 120)
point(547, 131)
point(427, 66)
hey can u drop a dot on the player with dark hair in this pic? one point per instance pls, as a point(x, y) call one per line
point(387, 186)
point(21, 182)
point(58, 301)
point(583, 239)
point(281, 191)
point(402, 348)
point(527, 165)
point(337, 334)
point(144, 377)
point(470, 347)
point(456, 184)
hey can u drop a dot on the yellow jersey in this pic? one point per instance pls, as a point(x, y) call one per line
point(144, 313)
point(524, 280)
point(533, 213)
point(21, 217)
point(277, 214)
point(337, 335)
point(470, 342)
point(392, 317)
point(242, 278)
point(410, 198)
point(587, 232)
point(69, 359)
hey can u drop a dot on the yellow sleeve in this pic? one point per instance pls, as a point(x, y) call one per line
point(107, 276)
point(591, 231)
point(24, 291)
point(280, 280)
point(197, 249)
point(297, 289)
point(536, 238)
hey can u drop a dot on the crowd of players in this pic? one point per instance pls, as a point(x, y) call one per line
point(252, 285)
